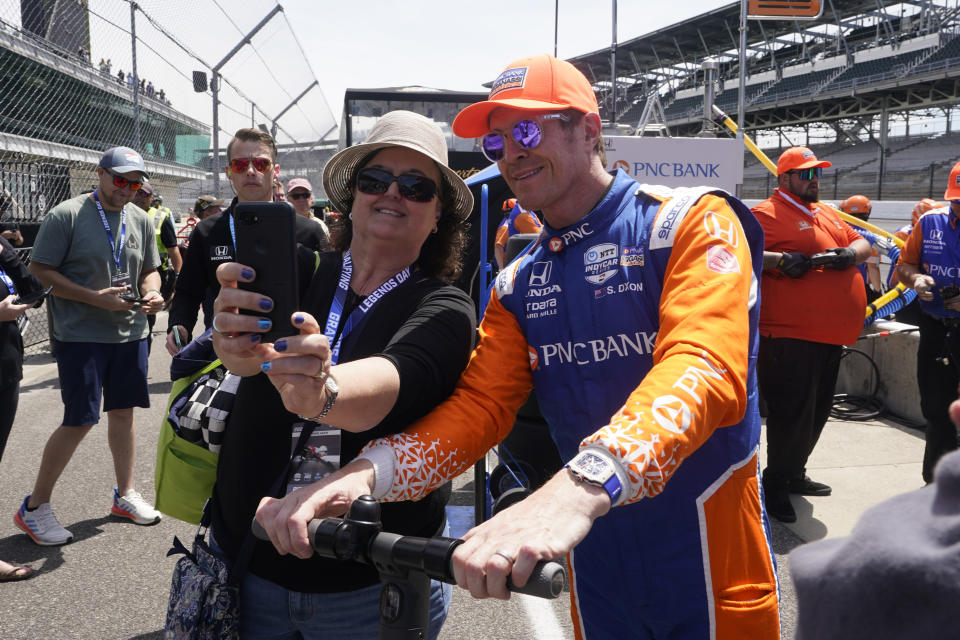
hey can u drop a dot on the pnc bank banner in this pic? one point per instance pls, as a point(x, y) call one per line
point(678, 162)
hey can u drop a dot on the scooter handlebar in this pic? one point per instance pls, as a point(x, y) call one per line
point(330, 537)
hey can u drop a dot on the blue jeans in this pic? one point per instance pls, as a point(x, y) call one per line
point(271, 612)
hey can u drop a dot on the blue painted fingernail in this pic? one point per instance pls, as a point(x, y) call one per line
point(247, 274)
point(264, 323)
point(254, 337)
point(266, 304)
point(280, 345)
point(298, 319)
point(265, 366)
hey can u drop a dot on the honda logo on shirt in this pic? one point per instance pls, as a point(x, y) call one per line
point(936, 234)
point(540, 274)
point(721, 228)
point(221, 250)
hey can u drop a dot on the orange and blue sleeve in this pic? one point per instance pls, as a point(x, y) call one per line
point(478, 415)
point(912, 248)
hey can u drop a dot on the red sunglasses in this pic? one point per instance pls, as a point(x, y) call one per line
point(120, 182)
point(240, 165)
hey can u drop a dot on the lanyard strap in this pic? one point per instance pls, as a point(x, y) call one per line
point(118, 251)
point(360, 312)
point(233, 231)
point(8, 281)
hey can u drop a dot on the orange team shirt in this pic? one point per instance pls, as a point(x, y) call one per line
point(703, 324)
point(824, 305)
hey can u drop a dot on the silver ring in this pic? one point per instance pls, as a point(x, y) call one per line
point(506, 555)
point(214, 326)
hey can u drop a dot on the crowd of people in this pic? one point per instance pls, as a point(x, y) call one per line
point(649, 326)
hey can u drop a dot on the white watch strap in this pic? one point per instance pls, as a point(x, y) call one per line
point(384, 462)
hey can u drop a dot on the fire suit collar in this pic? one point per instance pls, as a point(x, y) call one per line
point(622, 186)
point(797, 204)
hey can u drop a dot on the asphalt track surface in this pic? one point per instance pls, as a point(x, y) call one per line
point(113, 580)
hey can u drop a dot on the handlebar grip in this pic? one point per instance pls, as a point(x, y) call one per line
point(261, 534)
point(546, 581)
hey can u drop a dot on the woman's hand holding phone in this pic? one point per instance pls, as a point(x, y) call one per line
point(296, 364)
point(300, 367)
point(237, 337)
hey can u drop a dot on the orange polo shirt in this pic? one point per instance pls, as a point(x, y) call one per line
point(824, 305)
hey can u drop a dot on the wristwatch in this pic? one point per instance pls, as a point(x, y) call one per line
point(332, 390)
point(593, 468)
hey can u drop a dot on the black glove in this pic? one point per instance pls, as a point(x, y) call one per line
point(846, 257)
point(793, 264)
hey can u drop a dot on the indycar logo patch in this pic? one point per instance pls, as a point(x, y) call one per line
point(600, 262)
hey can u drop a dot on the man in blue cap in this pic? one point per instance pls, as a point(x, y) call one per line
point(100, 257)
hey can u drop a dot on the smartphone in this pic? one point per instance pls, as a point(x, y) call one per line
point(130, 296)
point(266, 241)
point(34, 296)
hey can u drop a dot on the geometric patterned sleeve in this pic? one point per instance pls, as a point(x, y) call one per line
point(478, 415)
point(698, 382)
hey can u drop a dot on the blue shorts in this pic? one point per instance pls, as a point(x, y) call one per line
point(89, 370)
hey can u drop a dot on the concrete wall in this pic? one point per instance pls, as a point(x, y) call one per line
point(896, 358)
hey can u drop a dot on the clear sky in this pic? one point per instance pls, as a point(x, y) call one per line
point(444, 44)
point(453, 44)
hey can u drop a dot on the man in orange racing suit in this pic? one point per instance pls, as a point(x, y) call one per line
point(635, 317)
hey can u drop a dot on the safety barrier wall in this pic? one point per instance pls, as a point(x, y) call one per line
point(896, 358)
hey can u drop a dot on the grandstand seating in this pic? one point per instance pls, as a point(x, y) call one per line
point(915, 166)
point(794, 86)
point(948, 51)
point(875, 70)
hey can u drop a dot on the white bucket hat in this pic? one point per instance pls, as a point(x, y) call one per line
point(397, 129)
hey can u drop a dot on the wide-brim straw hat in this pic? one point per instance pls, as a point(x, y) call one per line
point(397, 129)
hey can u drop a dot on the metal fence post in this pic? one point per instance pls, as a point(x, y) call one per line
point(136, 79)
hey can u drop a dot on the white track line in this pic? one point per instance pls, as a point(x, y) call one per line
point(542, 617)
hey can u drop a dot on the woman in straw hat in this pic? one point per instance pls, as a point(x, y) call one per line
point(382, 339)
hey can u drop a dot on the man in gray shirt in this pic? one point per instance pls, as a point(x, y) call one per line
point(100, 257)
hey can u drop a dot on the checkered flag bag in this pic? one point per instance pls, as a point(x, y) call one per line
point(201, 412)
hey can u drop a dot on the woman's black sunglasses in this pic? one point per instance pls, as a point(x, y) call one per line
point(412, 187)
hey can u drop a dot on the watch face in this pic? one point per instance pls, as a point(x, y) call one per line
point(593, 468)
point(593, 464)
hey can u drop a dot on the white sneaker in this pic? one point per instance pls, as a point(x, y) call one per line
point(41, 525)
point(132, 505)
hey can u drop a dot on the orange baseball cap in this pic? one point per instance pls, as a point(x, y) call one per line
point(538, 83)
point(953, 184)
point(799, 158)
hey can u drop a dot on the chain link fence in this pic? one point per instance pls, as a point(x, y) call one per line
point(80, 76)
